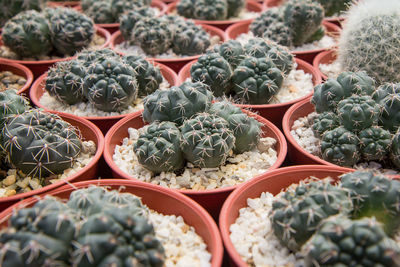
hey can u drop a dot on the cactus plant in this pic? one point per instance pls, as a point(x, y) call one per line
point(100, 12)
point(206, 140)
point(297, 212)
point(10, 104)
point(203, 9)
point(325, 121)
point(158, 147)
point(14, 7)
point(257, 80)
point(261, 25)
point(40, 143)
point(231, 50)
point(334, 7)
point(387, 95)
point(190, 40)
point(128, 20)
point(375, 143)
point(119, 7)
point(235, 7)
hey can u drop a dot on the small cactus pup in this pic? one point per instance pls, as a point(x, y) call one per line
point(375, 143)
point(158, 147)
point(247, 130)
point(203, 9)
point(340, 241)
point(207, 140)
point(11, 8)
point(370, 40)
point(11, 104)
point(388, 96)
point(178, 103)
point(231, 50)
point(40, 143)
point(297, 212)
point(325, 121)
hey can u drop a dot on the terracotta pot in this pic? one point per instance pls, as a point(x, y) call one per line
point(38, 67)
point(233, 31)
point(272, 112)
point(326, 57)
point(272, 182)
point(89, 131)
point(251, 5)
point(63, 3)
point(211, 200)
point(174, 63)
point(104, 123)
point(20, 70)
point(113, 27)
point(156, 198)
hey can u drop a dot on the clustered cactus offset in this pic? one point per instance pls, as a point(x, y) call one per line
point(209, 9)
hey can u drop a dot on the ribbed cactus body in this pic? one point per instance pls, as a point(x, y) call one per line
point(388, 96)
point(231, 50)
point(203, 9)
point(129, 18)
point(100, 12)
point(375, 143)
point(190, 40)
point(325, 121)
point(13, 7)
point(334, 7)
point(11, 104)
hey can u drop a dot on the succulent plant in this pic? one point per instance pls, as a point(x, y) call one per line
point(327, 95)
point(119, 7)
point(375, 143)
point(266, 20)
point(178, 103)
point(370, 39)
point(158, 147)
point(325, 121)
point(100, 12)
point(213, 70)
point(297, 212)
point(340, 241)
point(235, 7)
point(257, 80)
point(10, 104)
point(128, 20)
point(334, 7)
point(206, 140)
point(90, 57)
point(27, 34)
point(231, 50)
point(190, 40)
point(203, 9)
point(395, 149)
point(40, 143)
point(340, 146)
point(246, 129)
point(387, 95)
point(11, 8)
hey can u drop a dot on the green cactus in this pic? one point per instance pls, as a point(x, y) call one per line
point(334, 7)
point(100, 12)
point(203, 9)
point(395, 150)
point(148, 76)
point(11, 8)
point(265, 20)
point(340, 241)
point(10, 104)
point(128, 20)
point(89, 57)
point(235, 7)
point(158, 147)
point(297, 212)
point(65, 80)
point(40, 143)
point(325, 121)
point(387, 95)
point(27, 34)
point(375, 143)
point(206, 140)
point(213, 70)
point(190, 40)
point(340, 146)
point(257, 80)
point(231, 50)
point(119, 7)
point(374, 196)
point(327, 95)
point(357, 113)
point(178, 103)
point(246, 129)
point(110, 85)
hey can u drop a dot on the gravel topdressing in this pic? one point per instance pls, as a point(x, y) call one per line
point(9, 80)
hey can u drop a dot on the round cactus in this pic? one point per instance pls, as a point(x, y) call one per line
point(128, 20)
point(297, 212)
point(325, 121)
point(388, 96)
point(100, 12)
point(10, 8)
point(27, 34)
point(110, 85)
point(178, 103)
point(340, 146)
point(190, 40)
point(231, 50)
point(265, 20)
point(213, 70)
point(11, 104)
point(335, 7)
point(119, 7)
point(235, 7)
point(257, 80)
point(203, 9)
point(374, 143)
point(340, 241)
point(158, 147)
point(206, 140)
point(40, 143)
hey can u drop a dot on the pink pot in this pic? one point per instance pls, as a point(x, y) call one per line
point(233, 31)
point(159, 199)
point(272, 112)
point(38, 67)
point(251, 5)
point(104, 123)
point(89, 131)
point(326, 57)
point(113, 27)
point(211, 200)
point(174, 63)
point(64, 3)
point(20, 70)
point(272, 182)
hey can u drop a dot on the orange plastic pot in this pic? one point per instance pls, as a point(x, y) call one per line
point(104, 123)
point(233, 31)
point(211, 200)
point(159, 199)
point(174, 63)
point(38, 67)
point(251, 5)
point(113, 27)
point(272, 112)
point(63, 3)
point(272, 182)
point(20, 70)
point(326, 57)
point(89, 131)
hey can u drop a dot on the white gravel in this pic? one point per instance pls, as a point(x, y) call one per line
point(331, 70)
point(238, 168)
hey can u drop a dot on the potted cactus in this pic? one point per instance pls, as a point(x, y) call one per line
point(12, 8)
point(313, 216)
point(204, 149)
point(122, 225)
point(16, 77)
point(39, 39)
point(298, 25)
point(80, 86)
point(231, 68)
